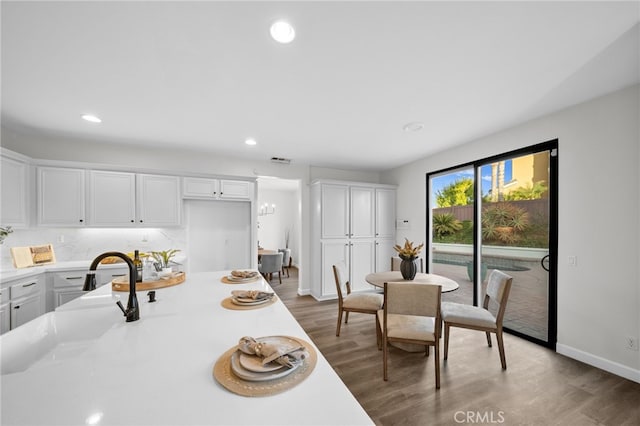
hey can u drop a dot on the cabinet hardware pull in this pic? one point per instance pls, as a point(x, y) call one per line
point(28, 285)
point(81, 220)
point(132, 220)
point(118, 275)
point(16, 307)
point(140, 220)
point(74, 278)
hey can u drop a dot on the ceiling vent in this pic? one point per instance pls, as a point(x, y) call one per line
point(280, 160)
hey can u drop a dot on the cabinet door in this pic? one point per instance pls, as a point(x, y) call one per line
point(25, 310)
point(158, 200)
point(335, 211)
point(64, 296)
point(362, 216)
point(235, 189)
point(200, 188)
point(385, 213)
point(5, 318)
point(112, 198)
point(332, 252)
point(384, 253)
point(362, 263)
point(14, 193)
point(61, 197)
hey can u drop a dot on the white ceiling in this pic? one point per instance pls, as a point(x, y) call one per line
point(205, 75)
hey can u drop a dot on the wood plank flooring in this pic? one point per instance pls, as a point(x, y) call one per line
point(539, 386)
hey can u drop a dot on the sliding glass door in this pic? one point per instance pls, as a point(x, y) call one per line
point(500, 213)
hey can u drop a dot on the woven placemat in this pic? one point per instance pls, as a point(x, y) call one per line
point(228, 281)
point(223, 374)
point(228, 304)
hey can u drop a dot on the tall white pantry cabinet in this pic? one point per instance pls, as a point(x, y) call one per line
point(354, 223)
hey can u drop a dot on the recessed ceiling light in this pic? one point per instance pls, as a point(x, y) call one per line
point(251, 142)
point(282, 32)
point(91, 118)
point(413, 127)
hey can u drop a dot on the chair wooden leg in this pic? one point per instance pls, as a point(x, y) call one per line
point(385, 350)
point(446, 340)
point(339, 322)
point(503, 359)
point(426, 350)
point(280, 277)
point(436, 353)
point(346, 317)
point(488, 338)
point(378, 334)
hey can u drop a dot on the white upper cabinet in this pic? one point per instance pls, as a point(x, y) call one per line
point(112, 198)
point(205, 188)
point(335, 211)
point(14, 193)
point(235, 189)
point(385, 213)
point(61, 196)
point(362, 218)
point(194, 187)
point(158, 200)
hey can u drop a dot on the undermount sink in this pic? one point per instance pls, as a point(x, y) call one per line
point(54, 337)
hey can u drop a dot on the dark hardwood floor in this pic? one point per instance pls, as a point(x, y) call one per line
point(539, 386)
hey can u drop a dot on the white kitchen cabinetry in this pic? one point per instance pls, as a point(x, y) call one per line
point(67, 285)
point(214, 189)
point(61, 196)
point(15, 192)
point(353, 223)
point(5, 311)
point(27, 299)
point(112, 198)
point(158, 200)
point(129, 199)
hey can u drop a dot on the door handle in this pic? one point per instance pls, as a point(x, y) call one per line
point(543, 264)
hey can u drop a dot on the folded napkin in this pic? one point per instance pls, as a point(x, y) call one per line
point(286, 355)
point(252, 294)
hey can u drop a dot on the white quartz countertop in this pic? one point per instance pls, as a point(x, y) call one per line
point(158, 370)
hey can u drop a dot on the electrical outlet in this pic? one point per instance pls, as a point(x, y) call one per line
point(632, 343)
point(572, 261)
point(61, 238)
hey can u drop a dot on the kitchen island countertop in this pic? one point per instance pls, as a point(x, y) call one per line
point(158, 370)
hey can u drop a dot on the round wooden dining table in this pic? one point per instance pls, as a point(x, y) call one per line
point(379, 278)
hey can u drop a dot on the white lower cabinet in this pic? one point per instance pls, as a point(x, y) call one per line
point(67, 285)
point(27, 299)
point(5, 311)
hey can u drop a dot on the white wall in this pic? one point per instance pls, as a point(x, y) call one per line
point(599, 219)
point(64, 148)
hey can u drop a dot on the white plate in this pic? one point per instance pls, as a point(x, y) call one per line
point(241, 280)
point(254, 363)
point(253, 376)
point(250, 302)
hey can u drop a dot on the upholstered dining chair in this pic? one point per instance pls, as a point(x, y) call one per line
point(269, 264)
point(286, 259)
point(367, 302)
point(480, 318)
point(411, 314)
point(395, 263)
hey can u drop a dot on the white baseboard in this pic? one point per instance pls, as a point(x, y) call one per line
point(601, 363)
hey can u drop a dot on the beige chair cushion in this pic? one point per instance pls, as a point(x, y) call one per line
point(371, 301)
point(408, 326)
point(467, 314)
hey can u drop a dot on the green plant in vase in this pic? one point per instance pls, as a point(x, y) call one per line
point(163, 258)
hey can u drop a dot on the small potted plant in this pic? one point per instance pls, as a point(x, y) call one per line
point(408, 253)
point(163, 259)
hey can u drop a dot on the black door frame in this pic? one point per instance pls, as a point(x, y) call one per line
point(552, 147)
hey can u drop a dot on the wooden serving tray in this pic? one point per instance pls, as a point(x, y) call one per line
point(122, 283)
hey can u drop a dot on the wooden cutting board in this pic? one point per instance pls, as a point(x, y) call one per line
point(122, 283)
